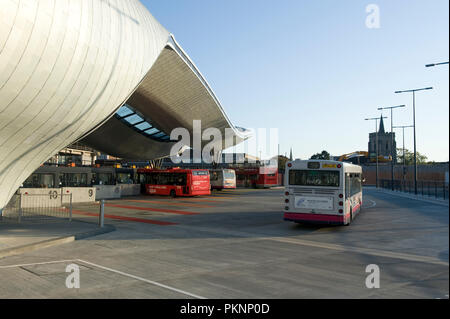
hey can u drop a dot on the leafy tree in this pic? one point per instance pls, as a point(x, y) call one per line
point(321, 156)
point(282, 160)
point(409, 157)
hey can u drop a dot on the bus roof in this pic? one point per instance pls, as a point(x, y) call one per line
point(344, 164)
point(171, 170)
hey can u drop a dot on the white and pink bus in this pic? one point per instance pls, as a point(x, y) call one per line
point(318, 191)
point(222, 179)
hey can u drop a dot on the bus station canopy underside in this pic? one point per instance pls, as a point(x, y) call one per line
point(172, 95)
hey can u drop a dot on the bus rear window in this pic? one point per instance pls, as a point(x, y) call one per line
point(314, 178)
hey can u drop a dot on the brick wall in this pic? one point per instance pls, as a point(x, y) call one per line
point(433, 172)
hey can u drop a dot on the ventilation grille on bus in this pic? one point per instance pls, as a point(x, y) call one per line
point(303, 191)
point(315, 191)
point(325, 191)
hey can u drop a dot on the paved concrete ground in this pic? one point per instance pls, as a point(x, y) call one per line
point(18, 235)
point(235, 244)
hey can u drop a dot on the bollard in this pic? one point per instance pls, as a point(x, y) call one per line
point(20, 208)
point(102, 213)
point(70, 208)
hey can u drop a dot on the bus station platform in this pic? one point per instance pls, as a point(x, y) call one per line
point(16, 239)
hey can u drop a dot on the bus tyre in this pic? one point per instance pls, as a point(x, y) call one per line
point(173, 194)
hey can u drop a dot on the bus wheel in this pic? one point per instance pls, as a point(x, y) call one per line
point(173, 194)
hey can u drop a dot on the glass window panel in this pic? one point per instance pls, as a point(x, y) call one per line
point(314, 178)
point(47, 181)
point(124, 178)
point(143, 126)
point(133, 119)
point(159, 134)
point(129, 115)
point(152, 131)
point(124, 111)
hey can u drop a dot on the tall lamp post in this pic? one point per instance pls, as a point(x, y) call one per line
point(435, 64)
point(392, 139)
point(414, 125)
point(404, 158)
point(376, 143)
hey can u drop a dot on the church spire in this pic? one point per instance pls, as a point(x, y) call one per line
point(381, 130)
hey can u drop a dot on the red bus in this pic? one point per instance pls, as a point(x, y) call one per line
point(263, 177)
point(175, 182)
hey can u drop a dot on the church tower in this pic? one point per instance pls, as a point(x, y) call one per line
point(385, 145)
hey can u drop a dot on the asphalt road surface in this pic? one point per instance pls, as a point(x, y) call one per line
point(235, 244)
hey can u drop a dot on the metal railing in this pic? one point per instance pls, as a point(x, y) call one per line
point(434, 189)
point(38, 208)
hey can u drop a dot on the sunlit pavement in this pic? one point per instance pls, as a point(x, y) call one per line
point(235, 244)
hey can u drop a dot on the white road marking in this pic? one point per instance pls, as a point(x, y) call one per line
point(110, 270)
point(143, 279)
point(292, 240)
point(361, 250)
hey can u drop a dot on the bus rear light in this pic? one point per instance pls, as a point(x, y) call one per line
point(290, 165)
point(341, 196)
point(286, 201)
point(341, 211)
point(287, 193)
point(341, 203)
point(339, 166)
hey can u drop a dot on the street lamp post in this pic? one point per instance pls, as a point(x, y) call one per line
point(435, 64)
point(376, 144)
point(404, 158)
point(392, 139)
point(414, 125)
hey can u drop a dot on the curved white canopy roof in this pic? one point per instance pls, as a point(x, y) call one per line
point(66, 67)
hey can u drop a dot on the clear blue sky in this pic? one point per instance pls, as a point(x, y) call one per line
point(315, 71)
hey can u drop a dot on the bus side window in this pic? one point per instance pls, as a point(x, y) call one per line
point(347, 185)
point(181, 179)
point(162, 180)
point(354, 186)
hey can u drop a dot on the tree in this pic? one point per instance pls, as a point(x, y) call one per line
point(321, 156)
point(282, 160)
point(409, 157)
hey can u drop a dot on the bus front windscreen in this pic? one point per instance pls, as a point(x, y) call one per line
point(228, 175)
point(314, 178)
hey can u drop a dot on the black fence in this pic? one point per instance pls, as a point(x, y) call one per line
point(425, 188)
